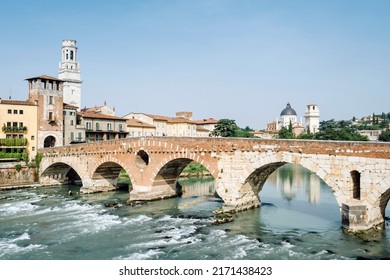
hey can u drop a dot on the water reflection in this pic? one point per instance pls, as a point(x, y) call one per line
point(292, 179)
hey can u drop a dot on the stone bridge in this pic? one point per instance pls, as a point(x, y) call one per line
point(357, 172)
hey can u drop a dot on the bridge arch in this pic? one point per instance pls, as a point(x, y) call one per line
point(104, 175)
point(60, 173)
point(168, 172)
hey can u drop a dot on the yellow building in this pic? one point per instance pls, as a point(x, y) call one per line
point(137, 128)
point(19, 121)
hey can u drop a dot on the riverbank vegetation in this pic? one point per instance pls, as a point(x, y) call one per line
point(329, 130)
point(229, 128)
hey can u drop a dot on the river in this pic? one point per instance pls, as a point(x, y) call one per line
point(299, 219)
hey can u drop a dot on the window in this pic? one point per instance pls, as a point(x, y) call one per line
point(79, 137)
point(15, 124)
point(71, 136)
point(50, 100)
point(33, 148)
point(51, 116)
point(21, 124)
point(109, 127)
point(8, 136)
point(15, 111)
point(97, 126)
point(21, 112)
point(120, 127)
point(64, 113)
point(356, 184)
point(9, 111)
point(8, 124)
point(71, 122)
point(32, 137)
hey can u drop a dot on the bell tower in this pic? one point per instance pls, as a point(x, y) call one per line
point(69, 73)
point(312, 118)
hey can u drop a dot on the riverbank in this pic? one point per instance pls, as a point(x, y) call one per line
point(17, 175)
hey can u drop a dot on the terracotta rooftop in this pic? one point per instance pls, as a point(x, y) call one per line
point(99, 116)
point(158, 117)
point(138, 123)
point(46, 77)
point(70, 106)
point(17, 102)
point(207, 121)
point(180, 120)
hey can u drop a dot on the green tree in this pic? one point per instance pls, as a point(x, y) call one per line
point(225, 128)
point(384, 136)
point(229, 128)
point(284, 133)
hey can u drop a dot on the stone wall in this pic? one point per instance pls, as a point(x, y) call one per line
point(9, 176)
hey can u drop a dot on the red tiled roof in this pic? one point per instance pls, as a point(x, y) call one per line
point(99, 116)
point(180, 120)
point(138, 123)
point(207, 121)
point(46, 77)
point(158, 117)
point(70, 106)
point(17, 102)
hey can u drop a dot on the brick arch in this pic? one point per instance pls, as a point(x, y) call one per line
point(109, 162)
point(56, 173)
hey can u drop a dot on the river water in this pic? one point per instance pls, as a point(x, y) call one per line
point(299, 219)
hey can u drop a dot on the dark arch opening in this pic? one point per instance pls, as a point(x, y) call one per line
point(356, 184)
point(61, 173)
point(142, 159)
point(114, 174)
point(186, 177)
point(50, 141)
point(384, 202)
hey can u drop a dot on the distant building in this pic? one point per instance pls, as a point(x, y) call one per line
point(137, 128)
point(205, 126)
point(289, 116)
point(312, 118)
point(73, 132)
point(99, 127)
point(179, 126)
point(372, 135)
point(19, 121)
point(104, 109)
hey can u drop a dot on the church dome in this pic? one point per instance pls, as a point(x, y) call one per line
point(288, 111)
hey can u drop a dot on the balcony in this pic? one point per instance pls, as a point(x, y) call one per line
point(14, 129)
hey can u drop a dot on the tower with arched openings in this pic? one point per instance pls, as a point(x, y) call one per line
point(69, 73)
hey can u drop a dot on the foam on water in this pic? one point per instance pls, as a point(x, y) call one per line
point(9, 246)
point(17, 208)
point(141, 256)
point(137, 220)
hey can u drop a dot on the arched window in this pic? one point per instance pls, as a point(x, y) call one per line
point(356, 184)
point(71, 55)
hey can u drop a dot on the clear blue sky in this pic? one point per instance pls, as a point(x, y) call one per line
point(237, 59)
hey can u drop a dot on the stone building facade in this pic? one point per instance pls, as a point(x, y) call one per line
point(46, 92)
